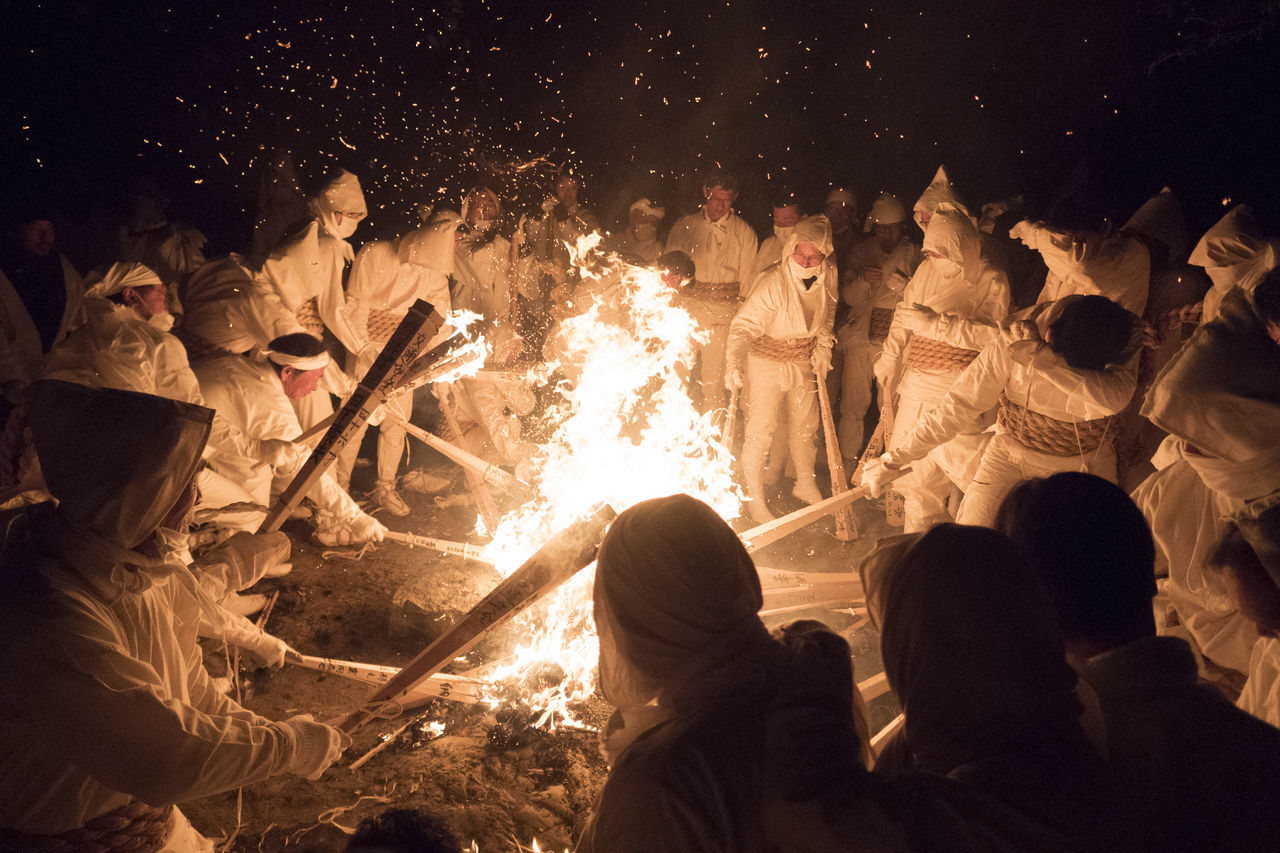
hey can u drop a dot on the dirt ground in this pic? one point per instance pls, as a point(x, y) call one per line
point(493, 780)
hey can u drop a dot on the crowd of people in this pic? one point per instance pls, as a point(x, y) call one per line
point(1076, 425)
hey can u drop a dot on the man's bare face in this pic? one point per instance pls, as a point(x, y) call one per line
point(299, 383)
point(483, 206)
point(567, 191)
point(786, 217)
point(148, 300)
point(888, 236)
point(719, 202)
point(839, 213)
point(37, 237)
point(808, 256)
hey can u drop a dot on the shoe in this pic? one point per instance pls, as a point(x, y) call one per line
point(758, 512)
point(221, 683)
point(386, 496)
point(807, 491)
point(279, 570)
point(425, 484)
point(244, 605)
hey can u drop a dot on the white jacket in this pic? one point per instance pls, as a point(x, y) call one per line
point(897, 268)
point(1116, 266)
point(722, 251)
point(20, 347)
point(777, 308)
point(249, 395)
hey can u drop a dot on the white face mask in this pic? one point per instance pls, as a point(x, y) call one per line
point(344, 229)
point(948, 268)
point(801, 273)
point(162, 321)
point(645, 233)
point(782, 232)
point(1222, 277)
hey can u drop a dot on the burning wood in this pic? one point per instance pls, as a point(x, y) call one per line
point(770, 532)
point(489, 472)
point(563, 556)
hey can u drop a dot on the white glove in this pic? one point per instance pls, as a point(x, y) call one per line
point(549, 203)
point(821, 361)
point(885, 372)
point(284, 457)
point(876, 474)
point(1023, 231)
point(733, 380)
point(917, 318)
point(270, 649)
point(366, 528)
point(316, 746)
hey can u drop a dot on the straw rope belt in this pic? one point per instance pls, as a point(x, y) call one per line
point(133, 828)
point(382, 323)
point(308, 315)
point(713, 291)
point(1050, 435)
point(929, 354)
point(881, 319)
point(791, 350)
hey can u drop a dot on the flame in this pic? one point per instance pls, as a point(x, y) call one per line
point(627, 431)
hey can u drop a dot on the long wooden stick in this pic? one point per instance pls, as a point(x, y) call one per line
point(563, 556)
point(770, 532)
point(730, 421)
point(487, 471)
point(404, 346)
point(846, 524)
point(445, 546)
point(460, 688)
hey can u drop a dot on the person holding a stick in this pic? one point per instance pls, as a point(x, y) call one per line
point(256, 396)
point(109, 718)
point(779, 342)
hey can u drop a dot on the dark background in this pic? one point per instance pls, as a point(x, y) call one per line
point(419, 99)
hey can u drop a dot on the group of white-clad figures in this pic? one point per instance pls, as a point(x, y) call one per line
point(1142, 360)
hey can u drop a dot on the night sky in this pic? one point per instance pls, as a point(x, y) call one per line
point(419, 100)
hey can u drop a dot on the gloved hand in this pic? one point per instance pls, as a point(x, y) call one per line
point(270, 649)
point(917, 318)
point(876, 474)
point(549, 203)
point(885, 372)
point(733, 380)
point(821, 361)
point(284, 457)
point(316, 746)
point(1024, 330)
point(366, 528)
point(1023, 231)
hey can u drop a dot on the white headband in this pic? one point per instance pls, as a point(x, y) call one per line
point(298, 362)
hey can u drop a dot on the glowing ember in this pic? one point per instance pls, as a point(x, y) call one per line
point(627, 431)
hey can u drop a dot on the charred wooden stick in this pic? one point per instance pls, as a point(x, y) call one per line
point(846, 525)
point(770, 532)
point(445, 546)
point(777, 601)
point(881, 738)
point(487, 471)
point(460, 688)
point(564, 555)
point(401, 350)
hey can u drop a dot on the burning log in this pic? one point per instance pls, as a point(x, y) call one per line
point(846, 526)
point(400, 353)
point(489, 472)
point(563, 556)
point(770, 532)
point(445, 546)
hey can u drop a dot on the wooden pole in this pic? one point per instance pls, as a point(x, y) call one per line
point(770, 532)
point(563, 556)
point(445, 546)
point(846, 525)
point(730, 421)
point(404, 346)
point(487, 471)
point(459, 688)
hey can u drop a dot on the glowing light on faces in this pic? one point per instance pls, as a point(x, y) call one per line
point(719, 202)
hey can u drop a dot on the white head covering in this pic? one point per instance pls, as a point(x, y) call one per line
point(886, 210)
point(117, 461)
point(298, 362)
point(940, 190)
point(813, 229)
point(467, 201)
point(648, 208)
point(1234, 254)
point(1160, 218)
point(952, 235)
point(841, 195)
point(122, 275)
point(431, 245)
point(341, 195)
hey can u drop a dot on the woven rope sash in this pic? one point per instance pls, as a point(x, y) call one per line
point(309, 317)
point(1050, 435)
point(383, 323)
point(881, 319)
point(790, 350)
point(713, 291)
point(133, 828)
point(928, 354)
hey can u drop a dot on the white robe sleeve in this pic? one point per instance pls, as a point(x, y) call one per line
point(976, 390)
